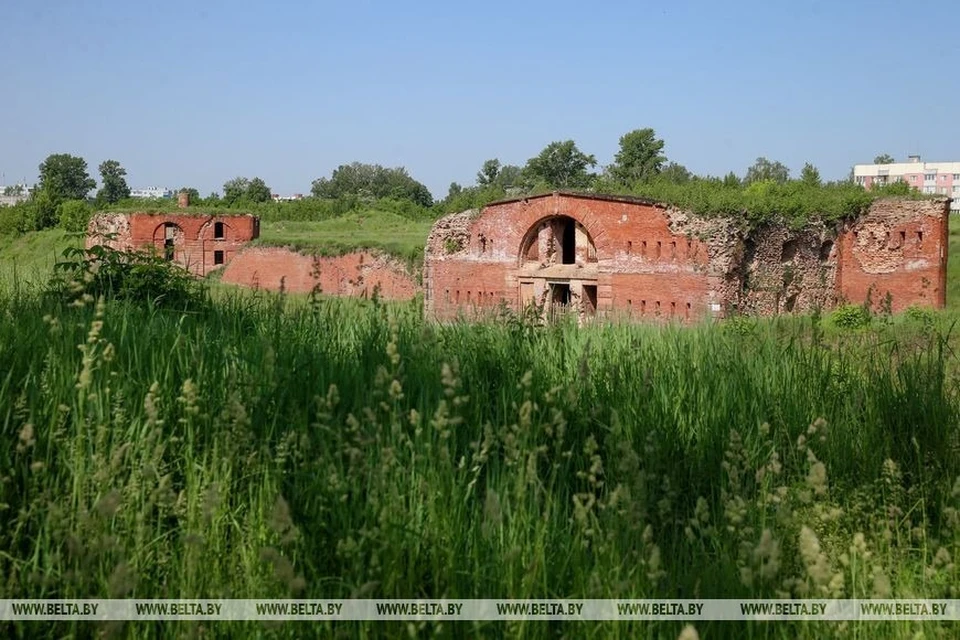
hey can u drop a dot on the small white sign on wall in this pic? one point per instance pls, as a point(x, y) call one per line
point(714, 306)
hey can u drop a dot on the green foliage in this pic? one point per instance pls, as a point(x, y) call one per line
point(114, 182)
point(675, 173)
point(640, 157)
point(764, 170)
point(896, 188)
point(371, 182)
point(471, 198)
point(73, 215)
point(732, 181)
point(192, 193)
point(759, 202)
point(488, 173)
point(138, 276)
point(494, 175)
point(560, 165)
point(850, 317)
point(17, 219)
point(923, 315)
point(258, 191)
point(65, 177)
point(43, 210)
point(884, 158)
point(351, 449)
point(243, 192)
point(810, 175)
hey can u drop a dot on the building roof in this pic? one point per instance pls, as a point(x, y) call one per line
point(587, 196)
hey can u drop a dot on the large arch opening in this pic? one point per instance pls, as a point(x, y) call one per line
point(557, 240)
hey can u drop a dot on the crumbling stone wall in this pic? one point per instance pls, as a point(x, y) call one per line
point(896, 255)
point(785, 270)
point(354, 274)
point(648, 260)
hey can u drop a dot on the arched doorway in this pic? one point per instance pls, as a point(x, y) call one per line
point(558, 266)
point(168, 238)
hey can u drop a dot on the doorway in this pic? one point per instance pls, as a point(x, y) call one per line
point(169, 234)
point(559, 294)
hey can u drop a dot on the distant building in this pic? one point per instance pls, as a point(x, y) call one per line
point(151, 192)
point(13, 194)
point(928, 177)
point(278, 198)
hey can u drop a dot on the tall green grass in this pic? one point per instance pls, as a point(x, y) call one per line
point(262, 449)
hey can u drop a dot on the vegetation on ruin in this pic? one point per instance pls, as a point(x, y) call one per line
point(371, 229)
point(350, 449)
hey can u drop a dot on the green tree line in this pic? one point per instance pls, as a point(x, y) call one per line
point(64, 195)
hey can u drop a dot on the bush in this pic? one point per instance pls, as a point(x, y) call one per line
point(73, 215)
point(125, 275)
point(16, 219)
point(923, 315)
point(850, 316)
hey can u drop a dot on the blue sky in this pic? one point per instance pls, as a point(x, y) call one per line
point(193, 93)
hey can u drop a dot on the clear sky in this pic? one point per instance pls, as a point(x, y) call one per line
point(195, 92)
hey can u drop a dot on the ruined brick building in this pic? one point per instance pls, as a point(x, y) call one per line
point(199, 242)
point(203, 242)
point(644, 259)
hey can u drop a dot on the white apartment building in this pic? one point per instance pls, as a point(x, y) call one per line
point(151, 192)
point(941, 178)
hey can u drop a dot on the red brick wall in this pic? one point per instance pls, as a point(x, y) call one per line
point(638, 257)
point(899, 248)
point(353, 274)
point(195, 246)
point(648, 254)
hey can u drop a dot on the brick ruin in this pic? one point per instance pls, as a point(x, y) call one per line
point(203, 243)
point(200, 243)
point(644, 259)
point(357, 274)
point(594, 254)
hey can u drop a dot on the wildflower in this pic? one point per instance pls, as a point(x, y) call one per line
point(817, 478)
point(26, 438)
point(815, 561)
point(767, 555)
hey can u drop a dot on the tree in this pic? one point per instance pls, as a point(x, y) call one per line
point(765, 170)
point(810, 176)
point(510, 176)
point(362, 180)
point(234, 191)
point(488, 173)
point(14, 190)
point(258, 191)
point(44, 208)
point(114, 186)
point(676, 173)
point(560, 164)
point(731, 180)
point(884, 158)
point(454, 191)
point(65, 177)
point(640, 157)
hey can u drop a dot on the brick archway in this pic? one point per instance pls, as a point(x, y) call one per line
point(169, 238)
point(571, 237)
